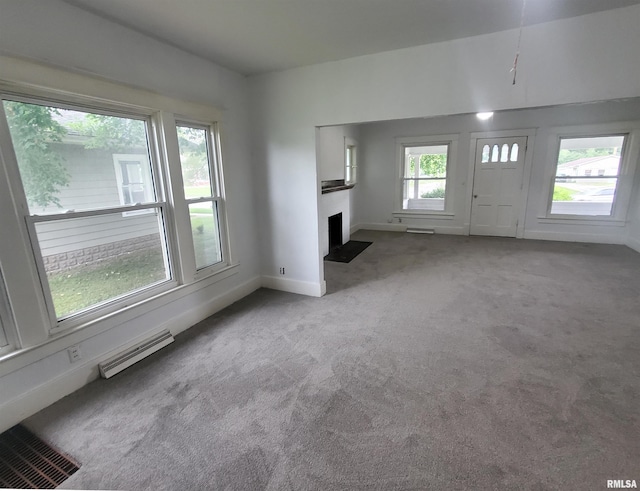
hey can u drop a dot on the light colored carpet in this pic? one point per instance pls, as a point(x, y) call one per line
point(434, 362)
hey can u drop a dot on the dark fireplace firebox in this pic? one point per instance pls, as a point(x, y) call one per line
point(335, 231)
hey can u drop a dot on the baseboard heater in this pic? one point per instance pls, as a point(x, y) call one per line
point(414, 230)
point(134, 354)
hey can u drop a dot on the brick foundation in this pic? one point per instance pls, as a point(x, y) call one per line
point(95, 255)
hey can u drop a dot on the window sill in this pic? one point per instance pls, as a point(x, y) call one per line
point(435, 215)
point(61, 340)
point(582, 220)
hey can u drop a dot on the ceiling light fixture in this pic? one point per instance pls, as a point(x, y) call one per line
point(484, 116)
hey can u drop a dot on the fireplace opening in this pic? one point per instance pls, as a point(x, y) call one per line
point(335, 231)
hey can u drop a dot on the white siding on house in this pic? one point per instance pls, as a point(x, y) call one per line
point(92, 183)
point(79, 233)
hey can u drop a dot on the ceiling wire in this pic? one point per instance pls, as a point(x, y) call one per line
point(514, 68)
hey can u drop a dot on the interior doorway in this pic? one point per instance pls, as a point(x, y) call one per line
point(497, 186)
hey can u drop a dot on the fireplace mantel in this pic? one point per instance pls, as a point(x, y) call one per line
point(334, 185)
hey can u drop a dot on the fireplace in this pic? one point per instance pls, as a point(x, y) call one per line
point(335, 231)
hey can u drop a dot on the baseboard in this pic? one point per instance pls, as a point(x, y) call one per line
point(354, 228)
point(216, 304)
point(573, 237)
point(384, 227)
point(38, 398)
point(294, 286)
point(634, 243)
point(402, 227)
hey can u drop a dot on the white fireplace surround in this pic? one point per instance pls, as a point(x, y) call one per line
point(332, 204)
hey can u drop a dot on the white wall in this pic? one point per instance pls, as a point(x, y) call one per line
point(60, 34)
point(331, 150)
point(589, 58)
point(375, 199)
point(330, 156)
point(633, 239)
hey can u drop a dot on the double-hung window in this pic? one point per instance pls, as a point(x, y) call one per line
point(425, 164)
point(350, 161)
point(203, 192)
point(587, 176)
point(96, 207)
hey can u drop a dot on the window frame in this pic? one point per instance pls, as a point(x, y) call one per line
point(7, 323)
point(22, 81)
point(32, 219)
point(214, 156)
point(350, 164)
point(625, 177)
point(451, 141)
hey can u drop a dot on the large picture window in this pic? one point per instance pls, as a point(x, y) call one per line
point(95, 212)
point(424, 176)
point(587, 174)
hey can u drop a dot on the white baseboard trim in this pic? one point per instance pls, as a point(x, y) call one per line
point(294, 286)
point(634, 243)
point(384, 227)
point(216, 304)
point(573, 237)
point(402, 227)
point(354, 228)
point(38, 398)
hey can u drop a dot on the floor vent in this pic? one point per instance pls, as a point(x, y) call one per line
point(415, 230)
point(26, 462)
point(134, 354)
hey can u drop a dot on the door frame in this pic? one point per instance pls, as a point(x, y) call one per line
point(530, 134)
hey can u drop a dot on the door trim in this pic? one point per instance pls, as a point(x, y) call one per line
point(530, 133)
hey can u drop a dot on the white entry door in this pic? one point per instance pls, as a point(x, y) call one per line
point(497, 186)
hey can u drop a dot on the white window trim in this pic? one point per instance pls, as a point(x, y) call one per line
point(214, 154)
point(7, 324)
point(56, 324)
point(452, 160)
point(625, 174)
point(351, 143)
point(25, 78)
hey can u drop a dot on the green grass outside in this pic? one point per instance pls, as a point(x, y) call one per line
point(205, 239)
point(197, 192)
point(83, 287)
point(561, 193)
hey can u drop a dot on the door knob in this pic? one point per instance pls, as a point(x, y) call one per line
point(475, 195)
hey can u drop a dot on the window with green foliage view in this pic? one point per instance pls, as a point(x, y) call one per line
point(586, 178)
point(425, 177)
point(201, 191)
point(95, 216)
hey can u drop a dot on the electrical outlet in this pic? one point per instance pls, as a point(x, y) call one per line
point(74, 353)
point(282, 271)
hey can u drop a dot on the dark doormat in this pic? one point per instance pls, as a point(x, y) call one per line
point(346, 252)
point(29, 463)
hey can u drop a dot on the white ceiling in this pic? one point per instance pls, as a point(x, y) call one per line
point(256, 36)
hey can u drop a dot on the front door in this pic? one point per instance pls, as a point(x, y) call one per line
point(497, 186)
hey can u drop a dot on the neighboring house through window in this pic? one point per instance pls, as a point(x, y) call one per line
point(587, 175)
point(134, 182)
point(97, 210)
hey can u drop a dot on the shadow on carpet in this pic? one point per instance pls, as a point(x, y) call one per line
point(346, 252)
